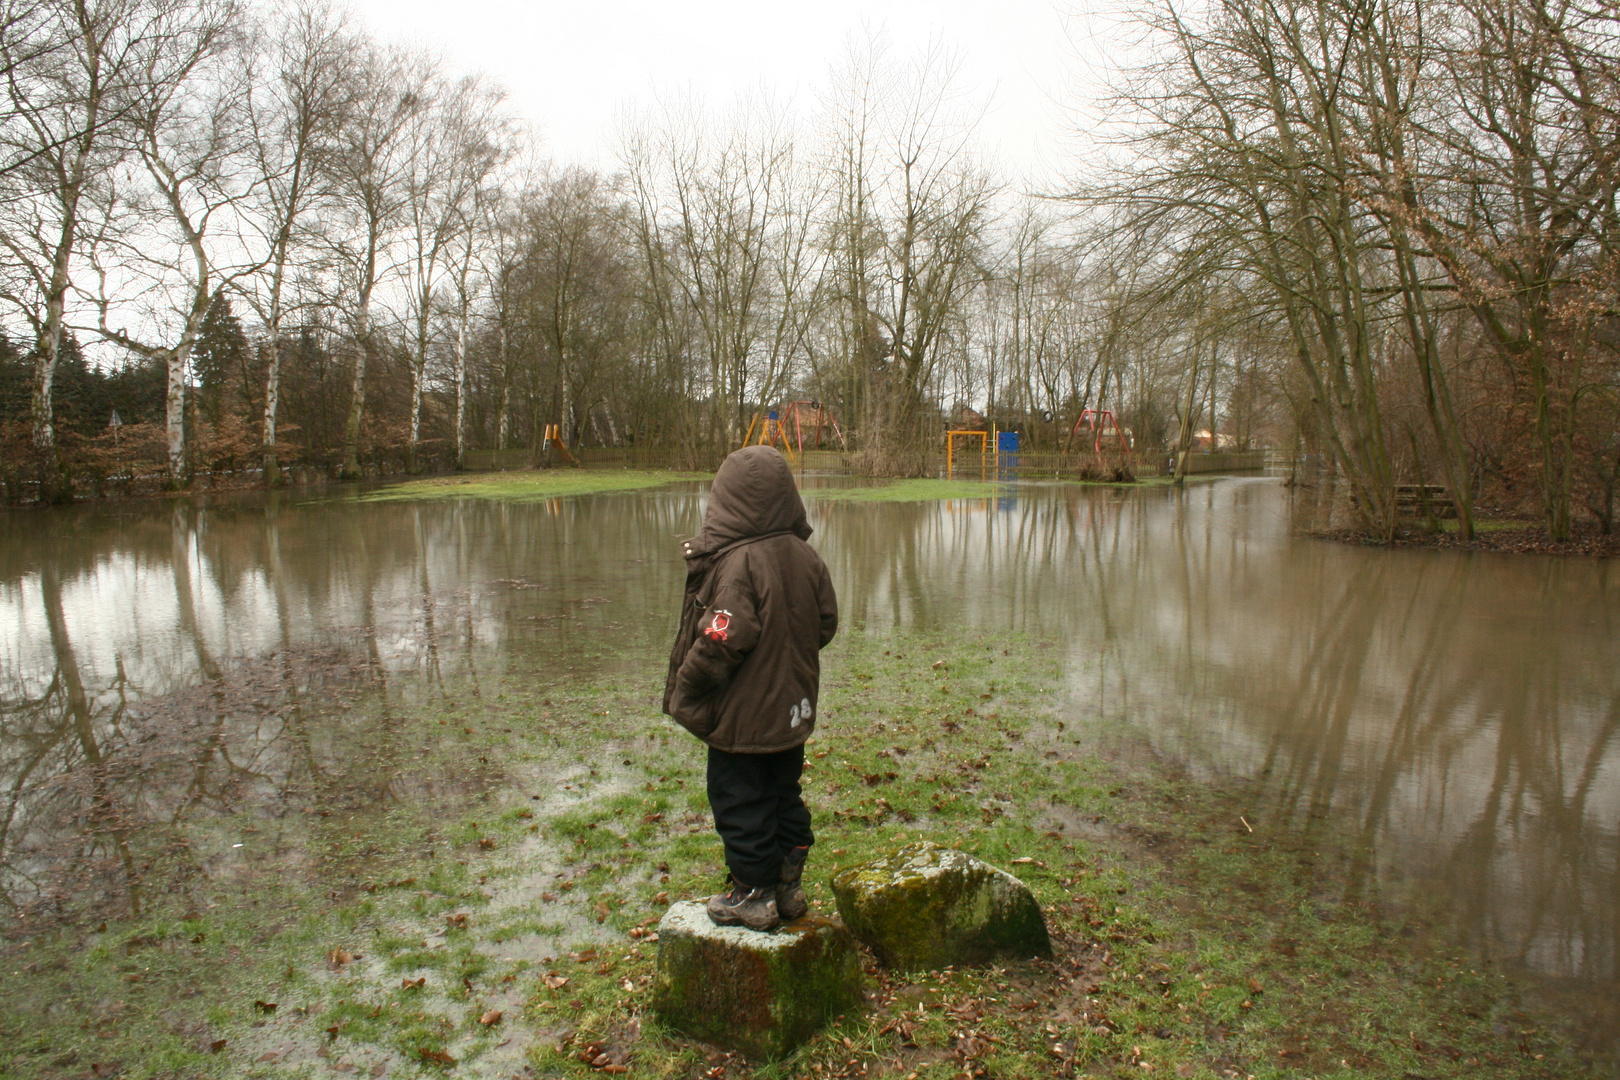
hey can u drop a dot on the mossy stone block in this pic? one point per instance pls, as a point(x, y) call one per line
point(927, 906)
point(762, 994)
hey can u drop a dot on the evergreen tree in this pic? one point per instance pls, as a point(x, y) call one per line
point(15, 373)
point(221, 357)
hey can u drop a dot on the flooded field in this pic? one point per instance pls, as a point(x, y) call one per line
point(193, 695)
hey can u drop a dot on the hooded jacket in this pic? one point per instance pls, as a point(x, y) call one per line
point(745, 671)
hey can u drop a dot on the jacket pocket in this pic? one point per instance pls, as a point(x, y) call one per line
point(696, 713)
point(691, 613)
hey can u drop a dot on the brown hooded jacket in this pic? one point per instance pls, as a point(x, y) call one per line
point(745, 670)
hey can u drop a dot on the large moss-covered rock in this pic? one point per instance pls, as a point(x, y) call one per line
point(763, 994)
point(927, 906)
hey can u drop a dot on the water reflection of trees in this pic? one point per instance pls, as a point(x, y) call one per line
point(1458, 712)
point(186, 677)
point(179, 672)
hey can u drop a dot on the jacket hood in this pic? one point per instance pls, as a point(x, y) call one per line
point(753, 495)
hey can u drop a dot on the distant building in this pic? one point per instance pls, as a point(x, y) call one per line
point(1203, 442)
point(970, 419)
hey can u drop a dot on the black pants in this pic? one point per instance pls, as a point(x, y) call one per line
point(758, 811)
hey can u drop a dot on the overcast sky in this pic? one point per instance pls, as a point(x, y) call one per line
point(572, 68)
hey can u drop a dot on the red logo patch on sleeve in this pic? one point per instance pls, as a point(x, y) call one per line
point(716, 630)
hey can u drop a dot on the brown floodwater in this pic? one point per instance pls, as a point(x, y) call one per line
point(1454, 714)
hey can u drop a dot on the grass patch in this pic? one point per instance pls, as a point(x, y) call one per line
point(529, 486)
point(1486, 526)
point(1183, 941)
point(919, 490)
point(929, 490)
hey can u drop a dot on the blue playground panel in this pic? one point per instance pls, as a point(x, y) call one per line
point(1006, 442)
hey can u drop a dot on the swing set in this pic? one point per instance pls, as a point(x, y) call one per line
point(806, 418)
point(1099, 418)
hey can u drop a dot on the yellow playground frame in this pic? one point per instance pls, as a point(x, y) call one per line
point(950, 449)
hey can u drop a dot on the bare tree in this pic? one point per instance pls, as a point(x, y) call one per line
point(75, 73)
point(726, 223)
point(159, 259)
point(368, 173)
point(911, 208)
point(451, 149)
point(298, 98)
point(1520, 208)
point(576, 282)
point(485, 149)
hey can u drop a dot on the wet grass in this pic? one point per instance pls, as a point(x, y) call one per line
point(920, 490)
point(1193, 938)
point(529, 485)
point(928, 490)
point(535, 485)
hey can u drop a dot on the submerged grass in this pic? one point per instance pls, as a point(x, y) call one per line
point(529, 485)
point(511, 934)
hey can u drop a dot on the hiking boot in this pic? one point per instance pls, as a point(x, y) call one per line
point(790, 900)
point(742, 906)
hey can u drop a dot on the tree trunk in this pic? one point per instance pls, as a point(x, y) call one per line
point(461, 390)
point(357, 399)
point(272, 400)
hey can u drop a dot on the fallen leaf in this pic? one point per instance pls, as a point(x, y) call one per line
point(273, 1056)
point(602, 911)
point(339, 957)
point(555, 982)
point(486, 843)
point(938, 664)
point(548, 897)
point(661, 898)
point(458, 921)
point(413, 984)
point(648, 819)
point(490, 1018)
point(265, 1006)
point(216, 1046)
point(435, 1057)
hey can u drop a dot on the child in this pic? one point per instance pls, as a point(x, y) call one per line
point(744, 676)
